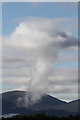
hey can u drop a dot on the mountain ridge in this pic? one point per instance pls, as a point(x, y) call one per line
point(47, 104)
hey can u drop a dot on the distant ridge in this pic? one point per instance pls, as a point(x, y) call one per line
point(13, 102)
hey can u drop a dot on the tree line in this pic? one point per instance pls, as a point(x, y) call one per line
point(41, 117)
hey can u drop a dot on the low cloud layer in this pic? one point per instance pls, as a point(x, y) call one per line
point(29, 55)
point(40, 1)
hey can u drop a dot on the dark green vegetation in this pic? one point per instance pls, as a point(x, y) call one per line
point(42, 117)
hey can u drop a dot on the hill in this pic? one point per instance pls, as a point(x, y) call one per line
point(13, 102)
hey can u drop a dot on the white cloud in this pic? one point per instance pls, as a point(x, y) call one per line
point(0, 64)
point(30, 52)
point(40, 0)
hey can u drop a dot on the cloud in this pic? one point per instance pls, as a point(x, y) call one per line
point(9, 115)
point(0, 64)
point(40, 1)
point(29, 54)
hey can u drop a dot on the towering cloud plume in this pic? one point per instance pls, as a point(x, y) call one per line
point(30, 53)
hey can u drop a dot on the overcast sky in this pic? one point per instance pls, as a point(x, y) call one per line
point(40, 48)
point(40, 0)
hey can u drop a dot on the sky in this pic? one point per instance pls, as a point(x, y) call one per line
point(40, 0)
point(40, 48)
point(42, 10)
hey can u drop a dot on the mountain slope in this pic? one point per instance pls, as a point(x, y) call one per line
point(13, 102)
point(18, 98)
point(71, 106)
